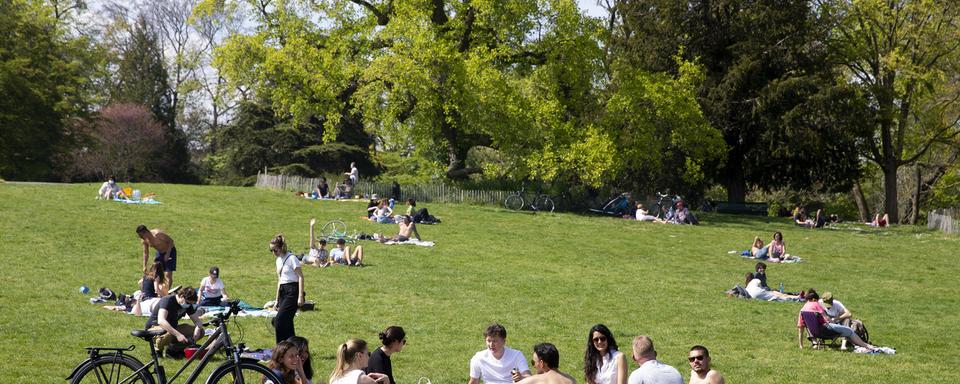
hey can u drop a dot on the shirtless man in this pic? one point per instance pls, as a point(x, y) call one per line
point(546, 358)
point(407, 228)
point(166, 251)
point(700, 372)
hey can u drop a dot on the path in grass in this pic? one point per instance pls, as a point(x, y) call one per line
point(545, 277)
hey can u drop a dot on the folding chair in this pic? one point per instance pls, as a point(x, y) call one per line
point(817, 332)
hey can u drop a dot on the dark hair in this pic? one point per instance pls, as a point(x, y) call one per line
point(323, 241)
point(391, 334)
point(778, 234)
point(276, 361)
point(760, 264)
point(142, 228)
point(548, 353)
point(496, 330)
point(749, 277)
point(188, 293)
point(701, 348)
point(157, 272)
point(592, 357)
point(412, 202)
point(303, 345)
point(812, 295)
point(341, 241)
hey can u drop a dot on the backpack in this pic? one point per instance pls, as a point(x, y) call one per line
point(860, 330)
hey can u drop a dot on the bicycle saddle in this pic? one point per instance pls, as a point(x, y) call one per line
point(146, 334)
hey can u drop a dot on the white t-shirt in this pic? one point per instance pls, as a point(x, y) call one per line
point(354, 175)
point(337, 255)
point(314, 255)
point(287, 271)
point(836, 310)
point(108, 188)
point(209, 289)
point(607, 374)
point(485, 367)
point(655, 372)
point(352, 377)
point(755, 291)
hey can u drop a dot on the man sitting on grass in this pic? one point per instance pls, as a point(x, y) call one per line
point(545, 360)
point(341, 254)
point(497, 364)
point(651, 370)
point(317, 255)
point(700, 372)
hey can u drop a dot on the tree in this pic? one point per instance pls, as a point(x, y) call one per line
point(902, 57)
point(767, 88)
point(45, 80)
point(128, 143)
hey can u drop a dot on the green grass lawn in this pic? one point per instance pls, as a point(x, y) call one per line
point(545, 277)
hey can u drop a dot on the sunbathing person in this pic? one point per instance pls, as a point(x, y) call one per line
point(758, 250)
point(879, 221)
point(383, 214)
point(341, 254)
point(407, 228)
point(777, 249)
point(419, 215)
point(752, 285)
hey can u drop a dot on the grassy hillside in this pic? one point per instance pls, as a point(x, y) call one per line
point(545, 277)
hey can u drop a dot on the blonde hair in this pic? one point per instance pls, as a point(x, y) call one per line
point(279, 242)
point(346, 355)
point(643, 347)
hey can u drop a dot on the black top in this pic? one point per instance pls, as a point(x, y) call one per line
point(380, 363)
point(147, 288)
point(174, 311)
point(763, 279)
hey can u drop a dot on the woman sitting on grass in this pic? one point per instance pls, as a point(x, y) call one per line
point(383, 214)
point(758, 250)
point(318, 255)
point(287, 364)
point(352, 358)
point(752, 285)
point(812, 305)
point(777, 249)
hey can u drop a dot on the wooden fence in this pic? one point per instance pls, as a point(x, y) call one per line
point(944, 220)
point(441, 193)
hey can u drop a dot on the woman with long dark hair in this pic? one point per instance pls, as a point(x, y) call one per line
point(303, 348)
point(602, 362)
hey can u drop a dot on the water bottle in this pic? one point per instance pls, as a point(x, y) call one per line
point(781, 287)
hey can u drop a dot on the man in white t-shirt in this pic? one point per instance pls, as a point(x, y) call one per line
point(651, 370)
point(836, 313)
point(497, 364)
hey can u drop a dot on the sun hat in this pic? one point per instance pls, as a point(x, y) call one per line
point(827, 299)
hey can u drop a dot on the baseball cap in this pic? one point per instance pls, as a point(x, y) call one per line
point(827, 299)
point(215, 271)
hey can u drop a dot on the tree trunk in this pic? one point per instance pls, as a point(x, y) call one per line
point(915, 201)
point(890, 191)
point(734, 181)
point(861, 201)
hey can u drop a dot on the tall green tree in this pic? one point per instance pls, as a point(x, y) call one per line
point(768, 86)
point(902, 56)
point(45, 83)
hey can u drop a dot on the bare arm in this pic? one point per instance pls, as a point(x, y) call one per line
point(415, 232)
point(474, 380)
point(800, 336)
point(163, 323)
point(198, 325)
point(313, 239)
point(300, 293)
point(622, 369)
point(146, 254)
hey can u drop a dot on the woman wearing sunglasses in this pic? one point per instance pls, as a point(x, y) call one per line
point(290, 293)
point(602, 362)
point(393, 339)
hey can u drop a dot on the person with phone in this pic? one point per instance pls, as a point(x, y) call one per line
point(497, 364)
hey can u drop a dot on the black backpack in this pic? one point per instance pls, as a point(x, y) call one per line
point(860, 330)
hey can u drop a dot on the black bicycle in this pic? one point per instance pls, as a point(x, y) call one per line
point(541, 202)
point(665, 200)
point(114, 365)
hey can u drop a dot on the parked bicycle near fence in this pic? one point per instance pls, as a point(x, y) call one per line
point(540, 202)
point(114, 365)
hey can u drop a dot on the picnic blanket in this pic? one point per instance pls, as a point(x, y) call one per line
point(790, 259)
point(142, 201)
point(411, 242)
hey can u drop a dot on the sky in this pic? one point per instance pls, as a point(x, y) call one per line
point(591, 8)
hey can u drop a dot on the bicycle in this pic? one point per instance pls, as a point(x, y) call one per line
point(541, 202)
point(112, 365)
point(662, 201)
point(335, 230)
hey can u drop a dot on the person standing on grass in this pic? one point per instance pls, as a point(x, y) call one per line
point(546, 359)
point(354, 174)
point(497, 364)
point(602, 362)
point(393, 339)
point(700, 372)
point(651, 370)
point(290, 294)
point(166, 250)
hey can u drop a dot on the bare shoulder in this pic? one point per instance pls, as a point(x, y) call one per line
point(714, 377)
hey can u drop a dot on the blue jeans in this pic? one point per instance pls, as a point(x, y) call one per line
point(843, 331)
point(762, 253)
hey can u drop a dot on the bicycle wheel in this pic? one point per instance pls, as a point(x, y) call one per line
point(243, 372)
point(334, 228)
point(544, 203)
point(514, 202)
point(113, 368)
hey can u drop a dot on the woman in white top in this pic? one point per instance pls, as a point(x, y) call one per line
point(752, 285)
point(602, 362)
point(644, 215)
point(290, 293)
point(352, 358)
point(212, 292)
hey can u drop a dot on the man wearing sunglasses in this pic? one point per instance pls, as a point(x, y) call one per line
point(165, 315)
point(700, 372)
